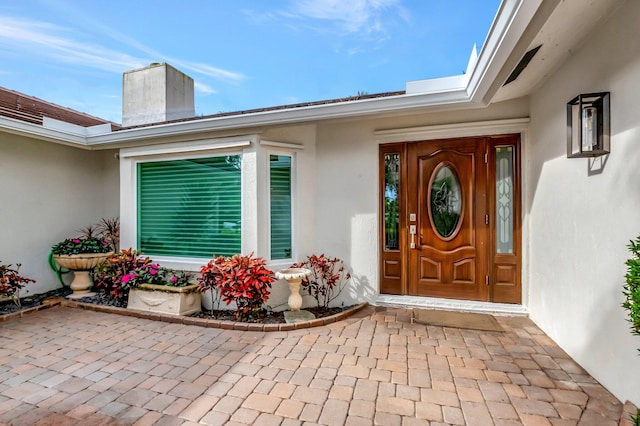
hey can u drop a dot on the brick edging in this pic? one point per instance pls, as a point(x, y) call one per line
point(46, 304)
point(212, 323)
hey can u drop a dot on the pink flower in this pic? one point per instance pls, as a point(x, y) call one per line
point(128, 277)
point(153, 271)
point(174, 279)
point(77, 241)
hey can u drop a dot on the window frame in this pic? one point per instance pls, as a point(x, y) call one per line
point(292, 154)
point(255, 198)
point(131, 157)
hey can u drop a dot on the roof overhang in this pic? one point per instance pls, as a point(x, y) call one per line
point(515, 26)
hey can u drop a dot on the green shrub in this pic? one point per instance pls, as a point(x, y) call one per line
point(632, 287)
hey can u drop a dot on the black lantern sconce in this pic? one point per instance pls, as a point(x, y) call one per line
point(588, 125)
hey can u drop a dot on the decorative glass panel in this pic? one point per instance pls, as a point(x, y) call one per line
point(391, 201)
point(445, 204)
point(280, 182)
point(504, 200)
point(190, 208)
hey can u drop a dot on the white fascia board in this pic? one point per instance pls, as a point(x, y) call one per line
point(512, 20)
point(37, 131)
point(287, 116)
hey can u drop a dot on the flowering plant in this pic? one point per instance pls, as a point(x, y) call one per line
point(81, 245)
point(128, 269)
point(327, 280)
point(241, 279)
point(11, 281)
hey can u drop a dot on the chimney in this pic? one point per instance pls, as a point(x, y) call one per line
point(155, 94)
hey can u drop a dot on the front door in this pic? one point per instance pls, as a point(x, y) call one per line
point(450, 219)
point(447, 248)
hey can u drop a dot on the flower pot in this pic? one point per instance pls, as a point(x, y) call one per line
point(165, 299)
point(81, 264)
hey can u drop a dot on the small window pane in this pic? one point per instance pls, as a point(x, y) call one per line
point(391, 201)
point(190, 208)
point(504, 200)
point(280, 180)
point(445, 204)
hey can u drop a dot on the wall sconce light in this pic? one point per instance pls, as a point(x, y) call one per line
point(588, 125)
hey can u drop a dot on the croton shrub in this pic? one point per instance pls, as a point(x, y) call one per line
point(242, 279)
point(11, 281)
point(327, 280)
point(127, 269)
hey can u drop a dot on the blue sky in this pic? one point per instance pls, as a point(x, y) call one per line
point(242, 54)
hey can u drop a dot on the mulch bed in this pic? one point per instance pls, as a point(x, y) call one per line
point(26, 302)
point(266, 316)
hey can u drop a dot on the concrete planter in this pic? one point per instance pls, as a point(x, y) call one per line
point(166, 299)
point(81, 264)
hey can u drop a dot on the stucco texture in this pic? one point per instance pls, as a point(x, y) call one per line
point(50, 191)
point(582, 213)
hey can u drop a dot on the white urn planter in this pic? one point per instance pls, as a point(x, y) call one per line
point(165, 299)
point(294, 277)
point(81, 265)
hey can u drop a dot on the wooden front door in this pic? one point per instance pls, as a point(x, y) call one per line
point(447, 252)
point(457, 229)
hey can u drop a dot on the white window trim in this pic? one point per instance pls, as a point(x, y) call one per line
point(294, 255)
point(129, 159)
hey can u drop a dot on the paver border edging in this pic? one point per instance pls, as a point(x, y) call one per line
point(210, 323)
point(46, 304)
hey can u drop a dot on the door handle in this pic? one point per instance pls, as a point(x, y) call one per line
point(412, 231)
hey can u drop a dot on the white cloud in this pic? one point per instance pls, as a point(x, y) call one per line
point(353, 16)
point(25, 35)
point(204, 89)
point(57, 43)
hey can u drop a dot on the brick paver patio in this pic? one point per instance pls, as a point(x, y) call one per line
point(64, 366)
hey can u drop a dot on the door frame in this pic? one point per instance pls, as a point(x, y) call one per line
point(391, 137)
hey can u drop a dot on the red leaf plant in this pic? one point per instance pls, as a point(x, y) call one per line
point(241, 279)
point(11, 281)
point(114, 275)
point(327, 280)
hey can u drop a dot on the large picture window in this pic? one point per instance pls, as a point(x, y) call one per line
point(280, 195)
point(190, 208)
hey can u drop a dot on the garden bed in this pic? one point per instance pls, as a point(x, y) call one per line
point(270, 321)
point(31, 301)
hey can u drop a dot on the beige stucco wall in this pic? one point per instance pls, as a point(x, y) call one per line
point(581, 222)
point(48, 192)
point(346, 217)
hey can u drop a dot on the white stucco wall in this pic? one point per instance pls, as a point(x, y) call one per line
point(48, 192)
point(581, 221)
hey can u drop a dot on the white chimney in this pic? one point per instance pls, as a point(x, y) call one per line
point(155, 94)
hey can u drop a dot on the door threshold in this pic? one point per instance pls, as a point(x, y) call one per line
point(450, 304)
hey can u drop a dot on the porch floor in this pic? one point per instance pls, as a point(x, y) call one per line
point(65, 366)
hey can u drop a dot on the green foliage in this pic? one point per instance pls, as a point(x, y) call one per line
point(11, 281)
point(632, 287)
point(127, 269)
point(81, 245)
point(636, 418)
point(327, 280)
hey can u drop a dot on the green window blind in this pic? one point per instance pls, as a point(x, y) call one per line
point(280, 183)
point(190, 208)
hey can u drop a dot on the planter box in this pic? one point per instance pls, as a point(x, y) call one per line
point(165, 299)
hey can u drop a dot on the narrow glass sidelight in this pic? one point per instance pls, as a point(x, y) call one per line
point(445, 201)
point(391, 201)
point(504, 200)
point(280, 196)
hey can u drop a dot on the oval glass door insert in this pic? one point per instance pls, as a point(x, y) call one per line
point(445, 203)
